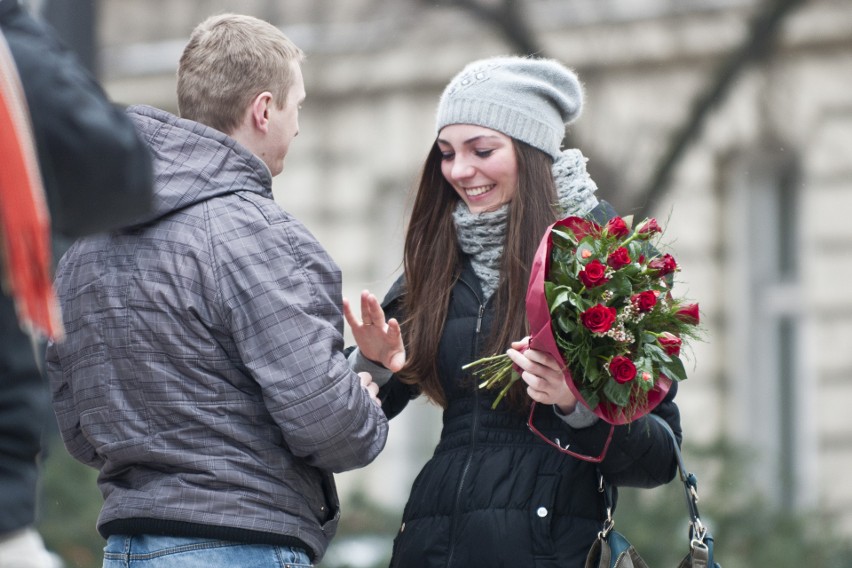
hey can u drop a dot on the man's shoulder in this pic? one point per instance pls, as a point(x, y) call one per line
point(250, 220)
point(248, 207)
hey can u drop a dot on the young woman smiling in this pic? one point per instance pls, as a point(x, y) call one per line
point(493, 494)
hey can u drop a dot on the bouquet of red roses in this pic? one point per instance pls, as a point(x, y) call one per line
point(599, 301)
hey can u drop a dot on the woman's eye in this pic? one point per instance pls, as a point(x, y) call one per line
point(484, 153)
point(447, 156)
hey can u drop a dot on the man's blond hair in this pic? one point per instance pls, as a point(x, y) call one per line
point(229, 60)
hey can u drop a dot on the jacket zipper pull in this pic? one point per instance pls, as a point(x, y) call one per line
point(479, 318)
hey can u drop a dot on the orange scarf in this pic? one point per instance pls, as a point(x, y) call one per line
point(25, 258)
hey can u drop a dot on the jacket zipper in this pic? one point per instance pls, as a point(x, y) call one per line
point(473, 430)
point(479, 321)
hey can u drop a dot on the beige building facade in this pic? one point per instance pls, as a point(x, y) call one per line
point(757, 209)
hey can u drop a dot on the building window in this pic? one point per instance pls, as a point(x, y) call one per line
point(765, 376)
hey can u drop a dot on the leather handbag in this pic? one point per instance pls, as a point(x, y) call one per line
point(612, 550)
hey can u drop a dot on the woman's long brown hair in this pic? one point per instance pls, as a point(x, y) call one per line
point(431, 264)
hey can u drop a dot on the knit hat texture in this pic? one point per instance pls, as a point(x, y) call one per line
point(530, 100)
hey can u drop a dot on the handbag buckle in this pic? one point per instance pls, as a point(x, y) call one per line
point(608, 525)
point(699, 531)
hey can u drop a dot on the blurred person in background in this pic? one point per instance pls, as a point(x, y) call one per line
point(203, 371)
point(92, 173)
point(493, 494)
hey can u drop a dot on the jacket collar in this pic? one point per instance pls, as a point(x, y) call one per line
point(468, 276)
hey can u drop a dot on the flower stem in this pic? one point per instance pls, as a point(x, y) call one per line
point(494, 372)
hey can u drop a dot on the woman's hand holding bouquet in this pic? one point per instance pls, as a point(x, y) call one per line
point(543, 375)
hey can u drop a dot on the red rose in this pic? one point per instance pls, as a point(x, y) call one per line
point(617, 227)
point(622, 369)
point(644, 301)
point(594, 274)
point(580, 227)
point(619, 257)
point(688, 313)
point(599, 318)
point(670, 343)
point(649, 227)
point(663, 264)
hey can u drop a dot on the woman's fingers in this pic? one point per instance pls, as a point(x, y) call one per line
point(371, 387)
point(536, 363)
point(543, 359)
point(541, 373)
point(378, 340)
point(349, 315)
point(377, 314)
point(371, 310)
point(544, 377)
point(394, 338)
point(365, 308)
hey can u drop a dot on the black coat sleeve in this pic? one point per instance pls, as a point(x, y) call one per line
point(641, 453)
point(96, 170)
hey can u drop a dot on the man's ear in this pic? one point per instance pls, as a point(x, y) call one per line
point(260, 107)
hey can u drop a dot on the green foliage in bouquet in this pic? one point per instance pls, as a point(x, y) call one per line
point(613, 318)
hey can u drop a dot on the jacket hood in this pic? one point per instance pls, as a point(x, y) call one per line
point(194, 163)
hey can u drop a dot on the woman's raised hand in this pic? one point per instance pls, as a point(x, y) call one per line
point(378, 340)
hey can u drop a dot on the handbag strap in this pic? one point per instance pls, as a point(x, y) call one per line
point(690, 485)
point(701, 554)
point(701, 541)
point(606, 490)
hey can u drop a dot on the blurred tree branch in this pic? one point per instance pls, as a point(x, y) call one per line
point(507, 17)
point(759, 43)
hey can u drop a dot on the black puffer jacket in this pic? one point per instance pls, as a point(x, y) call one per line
point(493, 494)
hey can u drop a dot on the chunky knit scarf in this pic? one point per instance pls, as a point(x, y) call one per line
point(482, 235)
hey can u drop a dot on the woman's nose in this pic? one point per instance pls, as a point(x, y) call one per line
point(462, 169)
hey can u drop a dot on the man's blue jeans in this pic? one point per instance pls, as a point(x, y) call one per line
point(150, 551)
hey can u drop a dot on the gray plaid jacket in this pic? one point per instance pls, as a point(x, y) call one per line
point(203, 371)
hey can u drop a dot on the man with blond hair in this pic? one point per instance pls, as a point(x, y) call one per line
point(202, 372)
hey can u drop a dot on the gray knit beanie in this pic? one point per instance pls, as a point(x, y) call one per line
point(530, 100)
